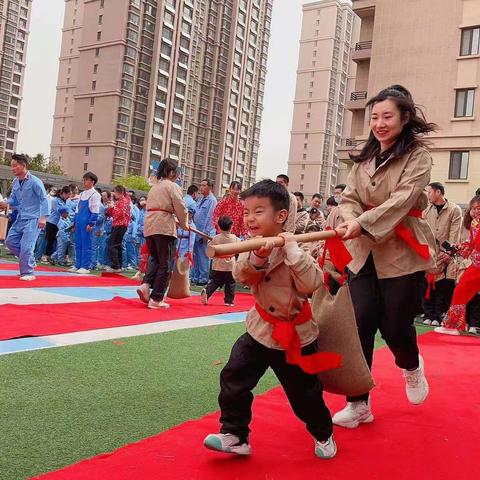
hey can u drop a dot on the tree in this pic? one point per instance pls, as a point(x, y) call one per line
point(133, 182)
point(40, 163)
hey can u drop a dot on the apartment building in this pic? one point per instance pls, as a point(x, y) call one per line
point(141, 80)
point(14, 30)
point(433, 48)
point(329, 29)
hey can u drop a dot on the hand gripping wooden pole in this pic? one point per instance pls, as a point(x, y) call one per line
point(202, 234)
point(256, 243)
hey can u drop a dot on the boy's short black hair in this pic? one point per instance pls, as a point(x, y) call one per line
point(277, 194)
point(192, 189)
point(225, 223)
point(331, 201)
point(20, 158)
point(91, 176)
point(284, 177)
point(299, 194)
point(341, 186)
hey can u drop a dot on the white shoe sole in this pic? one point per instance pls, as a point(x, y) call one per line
point(354, 423)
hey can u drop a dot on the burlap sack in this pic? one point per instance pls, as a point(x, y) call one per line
point(338, 333)
point(180, 282)
point(3, 226)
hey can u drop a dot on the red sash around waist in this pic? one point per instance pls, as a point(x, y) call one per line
point(286, 335)
point(159, 210)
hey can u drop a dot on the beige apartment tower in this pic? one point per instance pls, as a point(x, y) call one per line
point(14, 30)
point(141, 80)
point(329, 29)
point(432, 47)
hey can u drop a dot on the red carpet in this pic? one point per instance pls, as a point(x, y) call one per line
point(66, 281)
point(439, 440)
point(14, 266)
point(39, 320)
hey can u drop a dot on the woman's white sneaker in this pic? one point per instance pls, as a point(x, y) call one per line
point(227, 443)
point(416, 384)
point(326, 450)
point(154, 305)
point(447, 331)
point(27, 278)
point(353, 415)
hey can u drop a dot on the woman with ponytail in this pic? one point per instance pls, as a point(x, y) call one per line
point(165, 206)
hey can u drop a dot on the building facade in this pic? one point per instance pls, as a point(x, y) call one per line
point(433, 49)
point(329, 28)
point(14, 30)
point(141, 80)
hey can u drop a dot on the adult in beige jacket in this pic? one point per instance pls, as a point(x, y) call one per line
point(384, 198)
point(445, 220)
point(164, 203)
point(292, 209)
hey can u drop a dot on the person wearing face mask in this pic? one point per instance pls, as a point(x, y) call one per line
point(391, 244)
point(337, 192)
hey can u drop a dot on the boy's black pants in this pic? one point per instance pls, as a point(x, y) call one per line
point(248, 362)
point(439, 301)
point(218, 279)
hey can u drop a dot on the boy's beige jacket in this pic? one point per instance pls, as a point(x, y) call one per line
point(379, 199)
point(281, 290)
point(165, 195)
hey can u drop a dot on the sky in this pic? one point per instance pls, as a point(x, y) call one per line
point(42, 69)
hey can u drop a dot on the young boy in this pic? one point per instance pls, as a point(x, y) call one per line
point(222, 267)
point(280, 279)
point(63, 236)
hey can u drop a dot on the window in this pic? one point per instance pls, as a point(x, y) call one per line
point(90, 117)
point(94, 85)
point(470, 41)
point(464, 102)
point(95, 68)
point(87, 150)
point(100, 19)
point(99, 35)
point(92, 101)
point(458, 165)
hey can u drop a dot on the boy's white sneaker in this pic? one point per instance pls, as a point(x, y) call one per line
point(83, 271)
point(72, 269)
point(435, 323)
point(227, 443)
point(27, 278)
point(204, 296)
point(416, 384)
point(326, 450)
point(353, 415)
point(472, 330)
point(447, 331)
point(427, 321)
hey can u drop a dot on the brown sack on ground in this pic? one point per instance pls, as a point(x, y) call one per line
point(338, 333)
point(180, 282)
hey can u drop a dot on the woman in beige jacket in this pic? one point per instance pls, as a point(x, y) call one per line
point(164, 202)
point(391, 244)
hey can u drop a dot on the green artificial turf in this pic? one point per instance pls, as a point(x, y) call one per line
point(62, 405)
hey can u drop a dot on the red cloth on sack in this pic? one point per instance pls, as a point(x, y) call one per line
point(285, 334)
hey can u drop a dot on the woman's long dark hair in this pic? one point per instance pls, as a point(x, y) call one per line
point(467, 219)
point(410, 138)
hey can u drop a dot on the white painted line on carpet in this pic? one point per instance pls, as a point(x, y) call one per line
point(90, 336)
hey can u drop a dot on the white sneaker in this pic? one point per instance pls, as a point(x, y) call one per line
point(138, 276)
point(435, 323)
point(427, 321)
point(83, 271)
point(154, 305)
point(204, 296)
point(326, 450)
point(113, 270)
point(447, 331)
point(72, 269)
point(353, 415)
point(227, 443)
point(27, 278)
point(144, 292)
point(416, 384)
point(472, 330)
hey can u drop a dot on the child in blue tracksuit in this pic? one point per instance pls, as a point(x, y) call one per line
point(98, 239)
point(85, 219)
point(186, 239)
point(64, 235)
point(129, 243)
point(140, 224)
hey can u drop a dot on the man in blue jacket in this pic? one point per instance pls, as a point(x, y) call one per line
point(204, 221)
point(29, 198)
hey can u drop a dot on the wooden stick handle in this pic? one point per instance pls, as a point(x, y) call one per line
point(256, 243)
point(202, 234)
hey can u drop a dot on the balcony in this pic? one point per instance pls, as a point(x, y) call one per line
point(348, 145)
point(358, 101)
point(362, 51)
point(364, 8)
